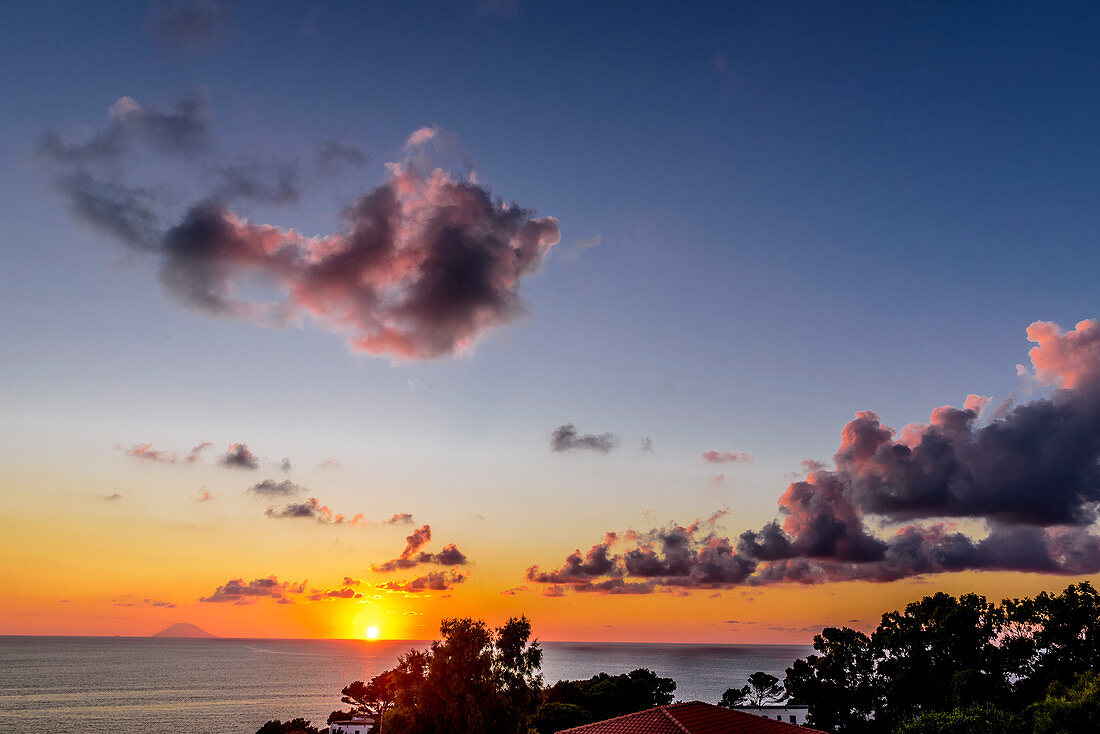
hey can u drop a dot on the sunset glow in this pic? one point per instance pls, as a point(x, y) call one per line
point(716, 324)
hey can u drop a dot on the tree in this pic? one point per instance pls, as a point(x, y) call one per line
point(294, 726)
point(604, 695)
point(1053, 638)
point(1069, 709)
point(472, 681)
point(761, 690)
point(553, 717)
point(939, 653)
point(377, 696)
point(838, 686)
point(981, 719)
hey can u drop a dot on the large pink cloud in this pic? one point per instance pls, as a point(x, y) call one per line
point(422, 266)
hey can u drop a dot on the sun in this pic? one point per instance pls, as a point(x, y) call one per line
point(372, 633)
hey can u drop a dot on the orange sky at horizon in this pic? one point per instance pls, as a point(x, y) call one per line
point(86, 581)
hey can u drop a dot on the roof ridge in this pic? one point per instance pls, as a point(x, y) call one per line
point(679, 724)
point(613, 718)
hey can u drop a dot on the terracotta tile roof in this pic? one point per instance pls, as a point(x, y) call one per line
point(695, 717)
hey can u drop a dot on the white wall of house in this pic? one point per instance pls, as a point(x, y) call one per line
point(786, 714)
point(347, 727)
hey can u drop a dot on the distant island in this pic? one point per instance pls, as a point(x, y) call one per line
point(183, 629)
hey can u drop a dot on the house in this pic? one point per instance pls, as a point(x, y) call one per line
point(790, 713)
point(357, 724)
point(695, 717)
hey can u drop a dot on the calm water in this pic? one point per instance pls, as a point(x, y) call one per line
point(82, 684)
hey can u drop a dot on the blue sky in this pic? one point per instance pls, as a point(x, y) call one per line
point(803, 210)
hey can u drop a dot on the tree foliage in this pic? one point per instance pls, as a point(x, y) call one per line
point(473, 680)
point(945, 661)
point(761, 689)
point(605, 696)
point(1073, 708)
point(375, 697)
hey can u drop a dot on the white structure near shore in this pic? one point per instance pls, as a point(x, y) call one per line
point(358, 724)
point(786, 714)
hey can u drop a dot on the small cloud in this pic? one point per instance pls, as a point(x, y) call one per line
point(236, 591)
point(717, 479)
point(285, 465)
point(145, 452)
point(239, 457)
point(720, 63)
point(330, 463)
point(332, 157)
point(434, 581)
point(647, 445)
point(566, 439)
point(399, 518)
point(420, 136)
point(313, 509)
point(203, 496)
point(183, 25)
point(127, 600)
point(727, 457)
point(112, 497)
point(585, 243)
point(513, 591)
point(271, 488)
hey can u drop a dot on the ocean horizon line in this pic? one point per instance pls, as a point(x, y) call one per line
point(217, 638)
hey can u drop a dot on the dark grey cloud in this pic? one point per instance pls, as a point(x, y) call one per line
point(412, 555)
point(565, 438)
point(187, 24)
point(332, 157)
point(182, 129)
point(272, 488)
point(259, 180)
point(239, 457)
point(237, 591)
point(433, 581)
point(1028, 477)
point(125, 213)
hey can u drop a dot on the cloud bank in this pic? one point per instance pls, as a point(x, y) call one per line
point(1025, 484)
point(237, 591)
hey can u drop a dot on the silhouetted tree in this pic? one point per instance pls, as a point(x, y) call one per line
point(605, 696)
point(377, 696)
point(553, 717)
point(472, 681)
point(945, 661)
point(760, 690)
point(838, 685)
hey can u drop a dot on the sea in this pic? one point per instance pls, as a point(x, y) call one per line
point(226, 686)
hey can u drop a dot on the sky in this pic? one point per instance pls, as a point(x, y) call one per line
point(641, 321)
